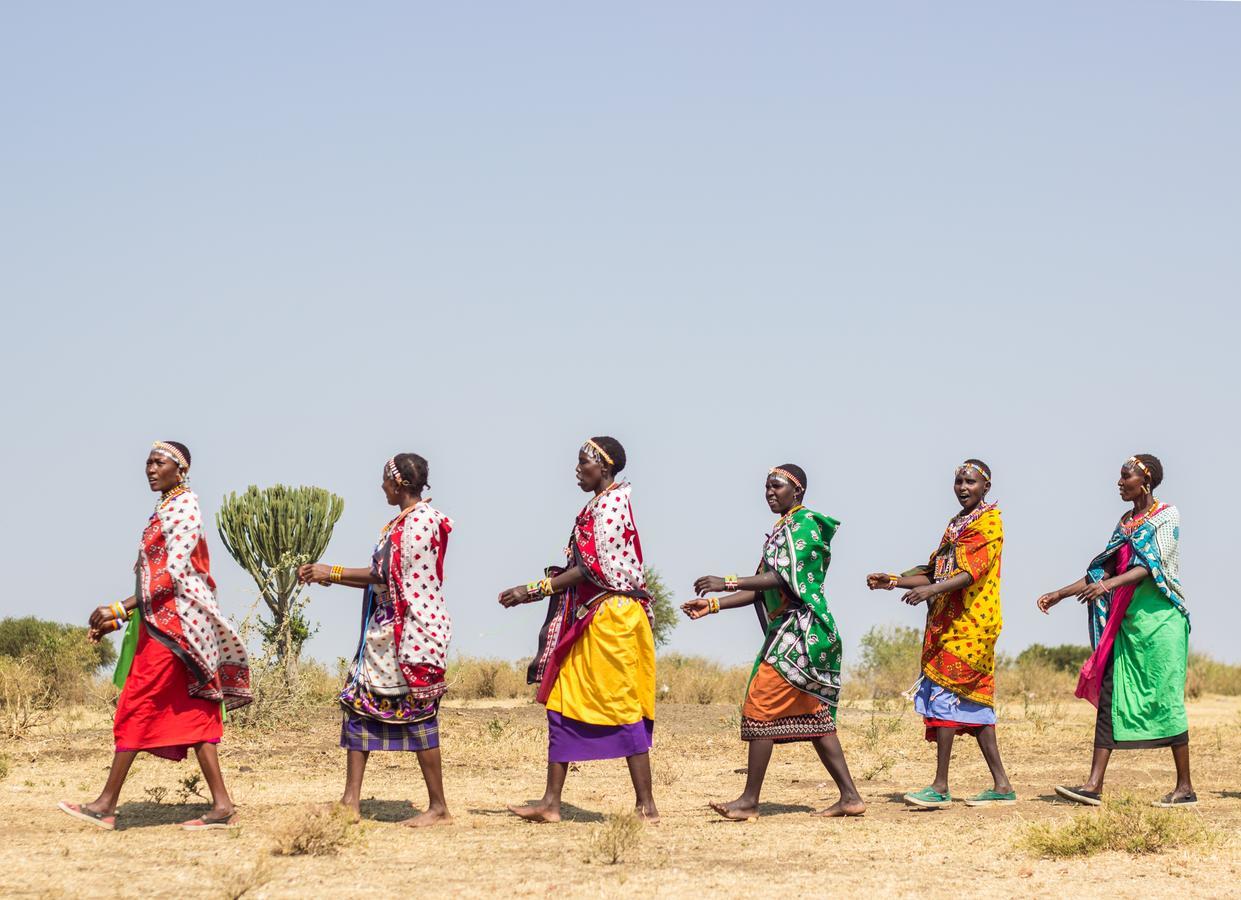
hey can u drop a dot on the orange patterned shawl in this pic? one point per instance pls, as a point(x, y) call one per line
point(958, 652)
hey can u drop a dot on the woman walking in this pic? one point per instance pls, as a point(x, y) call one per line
point(391, 700)
point(961, 587)
point(595, 665)
point(181, 662)
point(1139, 633)
point(795, 684)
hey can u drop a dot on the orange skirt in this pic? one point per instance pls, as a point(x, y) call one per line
point(774, 710)
point(155, 711)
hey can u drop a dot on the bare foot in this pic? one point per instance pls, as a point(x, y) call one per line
point(428, 818)
point(648, 816)
point(737, 811)
point(536, 813)
point(842, 808)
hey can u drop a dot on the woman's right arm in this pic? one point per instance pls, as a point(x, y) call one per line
point(321, 574)
point(881, 581)
point(1047, 601)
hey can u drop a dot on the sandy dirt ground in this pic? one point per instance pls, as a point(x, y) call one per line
point(494, 754)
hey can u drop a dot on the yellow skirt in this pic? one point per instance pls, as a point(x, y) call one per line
point(609, 675)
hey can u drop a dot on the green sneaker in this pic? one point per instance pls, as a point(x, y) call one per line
point(992, 798)
point(929, 798)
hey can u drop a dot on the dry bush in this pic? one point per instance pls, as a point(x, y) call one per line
point(284, 694)
point(616, 838)
point(888, 664)
point(320, 830)
point(1210, 676)
point(482, 679)
point(236, 883)
point(1124, 824)
point(692, 679)
point(4, 766)
point(26, 697)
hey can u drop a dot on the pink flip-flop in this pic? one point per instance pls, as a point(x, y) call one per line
point(203, 823)
point(79, 811)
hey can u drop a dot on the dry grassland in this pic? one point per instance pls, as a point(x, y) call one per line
point(494, 754)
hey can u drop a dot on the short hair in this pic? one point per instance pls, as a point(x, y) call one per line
point(414, 469)
point(612, 447)
point(1154, 468)
point(797, 472)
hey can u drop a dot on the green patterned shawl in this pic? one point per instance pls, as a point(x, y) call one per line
point(802, 643)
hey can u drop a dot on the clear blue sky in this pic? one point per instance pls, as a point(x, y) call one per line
point(872, 239)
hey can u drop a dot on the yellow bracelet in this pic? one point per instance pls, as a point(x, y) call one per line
point(336, 573)
point(730, 582)
point(713, 605)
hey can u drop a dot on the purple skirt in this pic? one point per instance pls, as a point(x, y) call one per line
point(569, 740)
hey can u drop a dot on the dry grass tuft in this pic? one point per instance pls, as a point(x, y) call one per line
point(1126, 825)
point(236, 883)
point(4, 766)
point(320, 830)
point(285, 694)
point(616, 838)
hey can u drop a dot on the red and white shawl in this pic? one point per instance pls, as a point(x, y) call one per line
point(605, 544)
point(408, 631)
point(176, 595)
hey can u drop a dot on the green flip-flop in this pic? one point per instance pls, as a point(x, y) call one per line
point(991, 797)
point(928, 798)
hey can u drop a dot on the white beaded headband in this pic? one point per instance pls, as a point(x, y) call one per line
point(168, 451)
point(394, 473)
point(786, 475)
point(977, 468)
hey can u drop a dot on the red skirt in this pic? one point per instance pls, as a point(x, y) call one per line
point(155, 711)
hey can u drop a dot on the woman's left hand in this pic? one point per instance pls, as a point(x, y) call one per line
point(696, 608)
point(101, 615)
point(1093, 591)
point(514, 596)
point(920, 594)
point(708, 584)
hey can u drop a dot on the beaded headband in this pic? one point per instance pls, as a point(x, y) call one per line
point(786, 475)
point(597, 453)
point(394, 473)
point(168, 451)
point(1135, 463)
point(977, 468)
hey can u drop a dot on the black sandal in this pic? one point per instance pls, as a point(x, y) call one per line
point(1080, 795)
point(1173, 802)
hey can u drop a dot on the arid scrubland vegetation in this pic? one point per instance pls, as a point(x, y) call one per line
point(283, 763)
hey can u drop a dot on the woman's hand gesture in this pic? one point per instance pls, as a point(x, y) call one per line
point(1048, 600)
point(514, 596)
point(1093, 591)
point(708, 584)
point(316, 572)
point(696, 608)
point(879, 581)
point(101, 615)
point(920, 594)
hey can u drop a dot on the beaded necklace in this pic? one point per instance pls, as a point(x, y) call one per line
point(1134, 521)
point(169, 494)
point(784, 518)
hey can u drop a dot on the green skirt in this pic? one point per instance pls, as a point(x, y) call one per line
point(1147, 675)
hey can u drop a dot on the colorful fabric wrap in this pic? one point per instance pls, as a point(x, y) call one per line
point(178, 608)
point(604, 543)
point(1155, 540)
point(962, 626)
point(397, 673)
point(801, 641)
